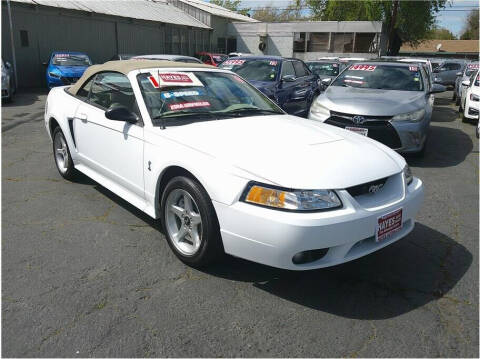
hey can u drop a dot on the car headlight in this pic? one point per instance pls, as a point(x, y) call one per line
point(319, 109)
point(289, 199)
point(54, 75)
point(473, 97)
point(407, 172)
point(437, 79)
point(414, 116)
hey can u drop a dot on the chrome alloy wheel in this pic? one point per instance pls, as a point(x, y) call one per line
point(61, 152)
point(183, 222)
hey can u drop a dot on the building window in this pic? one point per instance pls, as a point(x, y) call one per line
point(221, 45)
point(318, 42)
point(365, 42)
point(342, 42)
point(299, 39)
point(231, 45)
point(24, 38)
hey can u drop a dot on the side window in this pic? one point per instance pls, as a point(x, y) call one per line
point(85, 89)
point(299, 69)
point(307, 70)
point(113, 88)
point(456, 66)
point(287, 69)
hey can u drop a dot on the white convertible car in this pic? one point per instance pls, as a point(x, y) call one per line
point(226, 170)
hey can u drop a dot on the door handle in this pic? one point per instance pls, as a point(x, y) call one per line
point(82, 116)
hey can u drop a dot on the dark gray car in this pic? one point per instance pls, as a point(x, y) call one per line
point(446, 73)
point(390, 102)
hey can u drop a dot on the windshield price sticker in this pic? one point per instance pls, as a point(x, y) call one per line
point(273, 63)
point(363, 67)
point(187, 105)
point(354, 82)
point(62, 55)
point(170, 79)
point(234, 62)
point(473, 66)
point(335, 65)
point(413, 68)
point(172, 94)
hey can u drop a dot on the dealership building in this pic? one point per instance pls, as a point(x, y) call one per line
point(309, 40)
point(103, 29)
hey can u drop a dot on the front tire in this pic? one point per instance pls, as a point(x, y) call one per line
point(190, 223)
point(62, 156)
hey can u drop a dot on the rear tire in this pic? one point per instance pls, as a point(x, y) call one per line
point(61, 155)
point(190, 223)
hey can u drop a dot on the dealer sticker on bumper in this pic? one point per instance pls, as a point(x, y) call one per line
point(388, 224)
point(359, 130)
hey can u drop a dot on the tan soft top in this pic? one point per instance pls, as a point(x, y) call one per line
point(126, 66)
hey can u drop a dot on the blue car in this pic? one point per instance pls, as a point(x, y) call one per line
point(66, 67)
point(288, 82)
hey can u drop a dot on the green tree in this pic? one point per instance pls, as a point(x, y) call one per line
point(470, 31)
point(233, 5)
point(404, 21)
point(293, 12)
point(439, 33)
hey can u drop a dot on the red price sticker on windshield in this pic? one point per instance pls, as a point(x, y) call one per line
point(234, 62)
point(473, 66)
point(413, 68)
point(187, 105)
point(173, 79)
point(273, 63)
point(363, 67)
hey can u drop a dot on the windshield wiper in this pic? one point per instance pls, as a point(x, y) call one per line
point(256, 110)
point(161, 119)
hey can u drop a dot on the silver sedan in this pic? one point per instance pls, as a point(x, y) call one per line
point(390, 102)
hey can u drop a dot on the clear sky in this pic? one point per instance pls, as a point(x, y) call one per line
point(452, 17)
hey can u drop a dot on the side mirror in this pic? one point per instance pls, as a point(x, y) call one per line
point(459, 74)
point(437, 88)
point(466, 83)
point(289, 78)
point(117, 112)
point(326, 82)
point(8, 65)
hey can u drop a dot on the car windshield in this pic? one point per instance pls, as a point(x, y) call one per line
point(470, 69)
point(184, 97)
point(71, 60)
point(219, 58)
point(324, 68)
point(385, 77)
point(253, 70)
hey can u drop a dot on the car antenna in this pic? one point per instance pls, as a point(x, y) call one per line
point(162, 119)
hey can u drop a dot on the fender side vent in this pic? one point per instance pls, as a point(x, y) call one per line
point(70, 126)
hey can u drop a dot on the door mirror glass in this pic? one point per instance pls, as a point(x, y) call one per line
point(466, 83)
point(437, 88)
point(288, 78)
point(8, 65)
point(326, 82)
point(459, 74)
point(117, 112)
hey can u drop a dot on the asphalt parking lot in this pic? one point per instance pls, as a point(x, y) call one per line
point(86, 274)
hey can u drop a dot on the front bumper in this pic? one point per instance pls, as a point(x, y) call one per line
point(273, 237)
point(471, 110)
point(402, 136)
point(6, 90)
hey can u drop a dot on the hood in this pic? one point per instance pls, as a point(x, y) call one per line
point(372, 102)
point(290, 151)
point(72, 71)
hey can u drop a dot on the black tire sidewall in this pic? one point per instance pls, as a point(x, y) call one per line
point(210, 247)
point(70, 172)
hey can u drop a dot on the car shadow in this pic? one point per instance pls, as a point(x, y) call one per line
point(446, 147)
point(444, 114)
point(407, 275)
point(443, 101)
point(25, 97)
point(399, 278)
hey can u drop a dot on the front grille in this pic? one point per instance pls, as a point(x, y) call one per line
point(365, 188)
point(69, 80)
point(378, 127)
